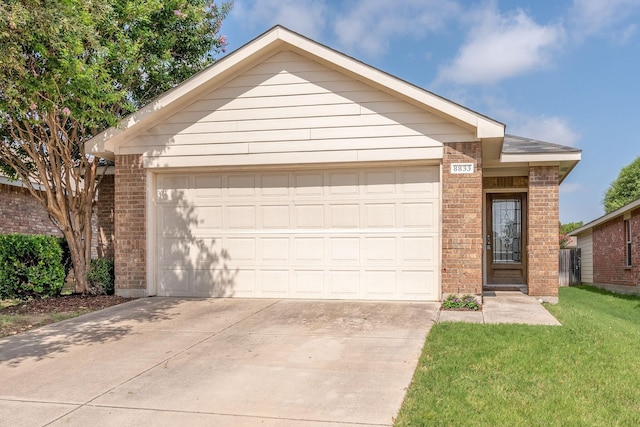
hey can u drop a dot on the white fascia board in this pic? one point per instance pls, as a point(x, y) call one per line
point(540, 157)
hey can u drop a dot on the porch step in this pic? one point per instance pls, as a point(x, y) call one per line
point(522, 288)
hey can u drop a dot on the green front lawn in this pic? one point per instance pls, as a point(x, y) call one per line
point(584, 373)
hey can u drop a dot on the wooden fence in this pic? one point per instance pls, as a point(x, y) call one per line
point(569, 274)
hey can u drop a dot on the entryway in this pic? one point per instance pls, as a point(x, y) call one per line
point(506, 241)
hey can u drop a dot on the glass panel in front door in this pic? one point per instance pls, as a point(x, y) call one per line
point(507, 230)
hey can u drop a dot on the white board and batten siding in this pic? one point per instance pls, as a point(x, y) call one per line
point(290, 109)
point(345, 233)
point(585, 244)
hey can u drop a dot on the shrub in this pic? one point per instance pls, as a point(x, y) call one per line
point(465, 302)
point(30, 266)
point(101, 276)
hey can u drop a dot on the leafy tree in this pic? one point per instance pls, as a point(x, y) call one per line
point(71, 68)
point(565, 229)
point(624, 189)
point(570, 226)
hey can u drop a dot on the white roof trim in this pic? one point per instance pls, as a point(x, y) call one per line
point(621, 211)
point(104, 143)
point(540, 157)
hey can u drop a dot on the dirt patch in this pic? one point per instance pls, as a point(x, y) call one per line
point(31, 314)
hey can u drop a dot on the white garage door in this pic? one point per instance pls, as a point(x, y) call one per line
point(332, 234)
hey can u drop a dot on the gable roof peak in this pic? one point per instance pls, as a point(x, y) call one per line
point(265, 45)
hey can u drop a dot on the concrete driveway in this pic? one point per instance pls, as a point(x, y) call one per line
point(222, 362)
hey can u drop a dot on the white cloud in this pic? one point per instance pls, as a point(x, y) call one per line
point(308, 17)
point(613, 18)
point(544, 128)
point(370, 26)
point(501, 46)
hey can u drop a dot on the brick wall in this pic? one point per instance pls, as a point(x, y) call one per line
point(609, 252)
point(496, 182)
point(130, 226)
point(462, 242)
point(21, 213)
point(542, 249)
point(102, 223)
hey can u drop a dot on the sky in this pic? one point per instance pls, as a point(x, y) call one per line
point(561, 71)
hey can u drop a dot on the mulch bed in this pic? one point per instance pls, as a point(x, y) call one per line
point(64, 304)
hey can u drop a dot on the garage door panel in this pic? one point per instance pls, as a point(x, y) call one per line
point(344, 216)
point(274, 283)
point(308, 283)
point(172, 189)
point(174, 252)
point(208, 187)
point(274, 185)
point(217, 282)
point(380, 182)
point(310, 184)
point(241, 217)
point(241, 186)
point(176, 221)
point(209, 218)
point(418, 215)
point(276, 216)
point(343, 183)
point(419, 284)
point(342, 234)
point(309, 216)
point(344, 284)
point(419, 180)
point(309, 249)
point(275, 249)
point(244, 283)
point(175, 282)
point(380, 284)
point(344, 250)
point(241, 249)
point(380, 249)
point(380, 215)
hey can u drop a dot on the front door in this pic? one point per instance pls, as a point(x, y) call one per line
point(506, 238)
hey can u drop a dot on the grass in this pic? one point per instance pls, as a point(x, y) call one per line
point(584, 373)
point(11, 324)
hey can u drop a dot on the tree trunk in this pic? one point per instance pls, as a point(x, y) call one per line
point(79, 260)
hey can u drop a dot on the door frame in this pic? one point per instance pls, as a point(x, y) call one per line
point(525, 230)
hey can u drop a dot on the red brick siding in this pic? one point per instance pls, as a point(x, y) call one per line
point(462, 220)
point(496, 182)
point(130, 224)
point(22, 213)
point(103, 233)
point(609, 252)
point(542, 249)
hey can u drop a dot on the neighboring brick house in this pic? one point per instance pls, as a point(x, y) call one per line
point(289, 170)
point(610, 250)
point(22, 213)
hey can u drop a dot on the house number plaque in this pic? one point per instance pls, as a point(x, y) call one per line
point(461, 167)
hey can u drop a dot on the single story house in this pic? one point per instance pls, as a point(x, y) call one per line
point(21, 213)
point(290, 170)
point(610, 250)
